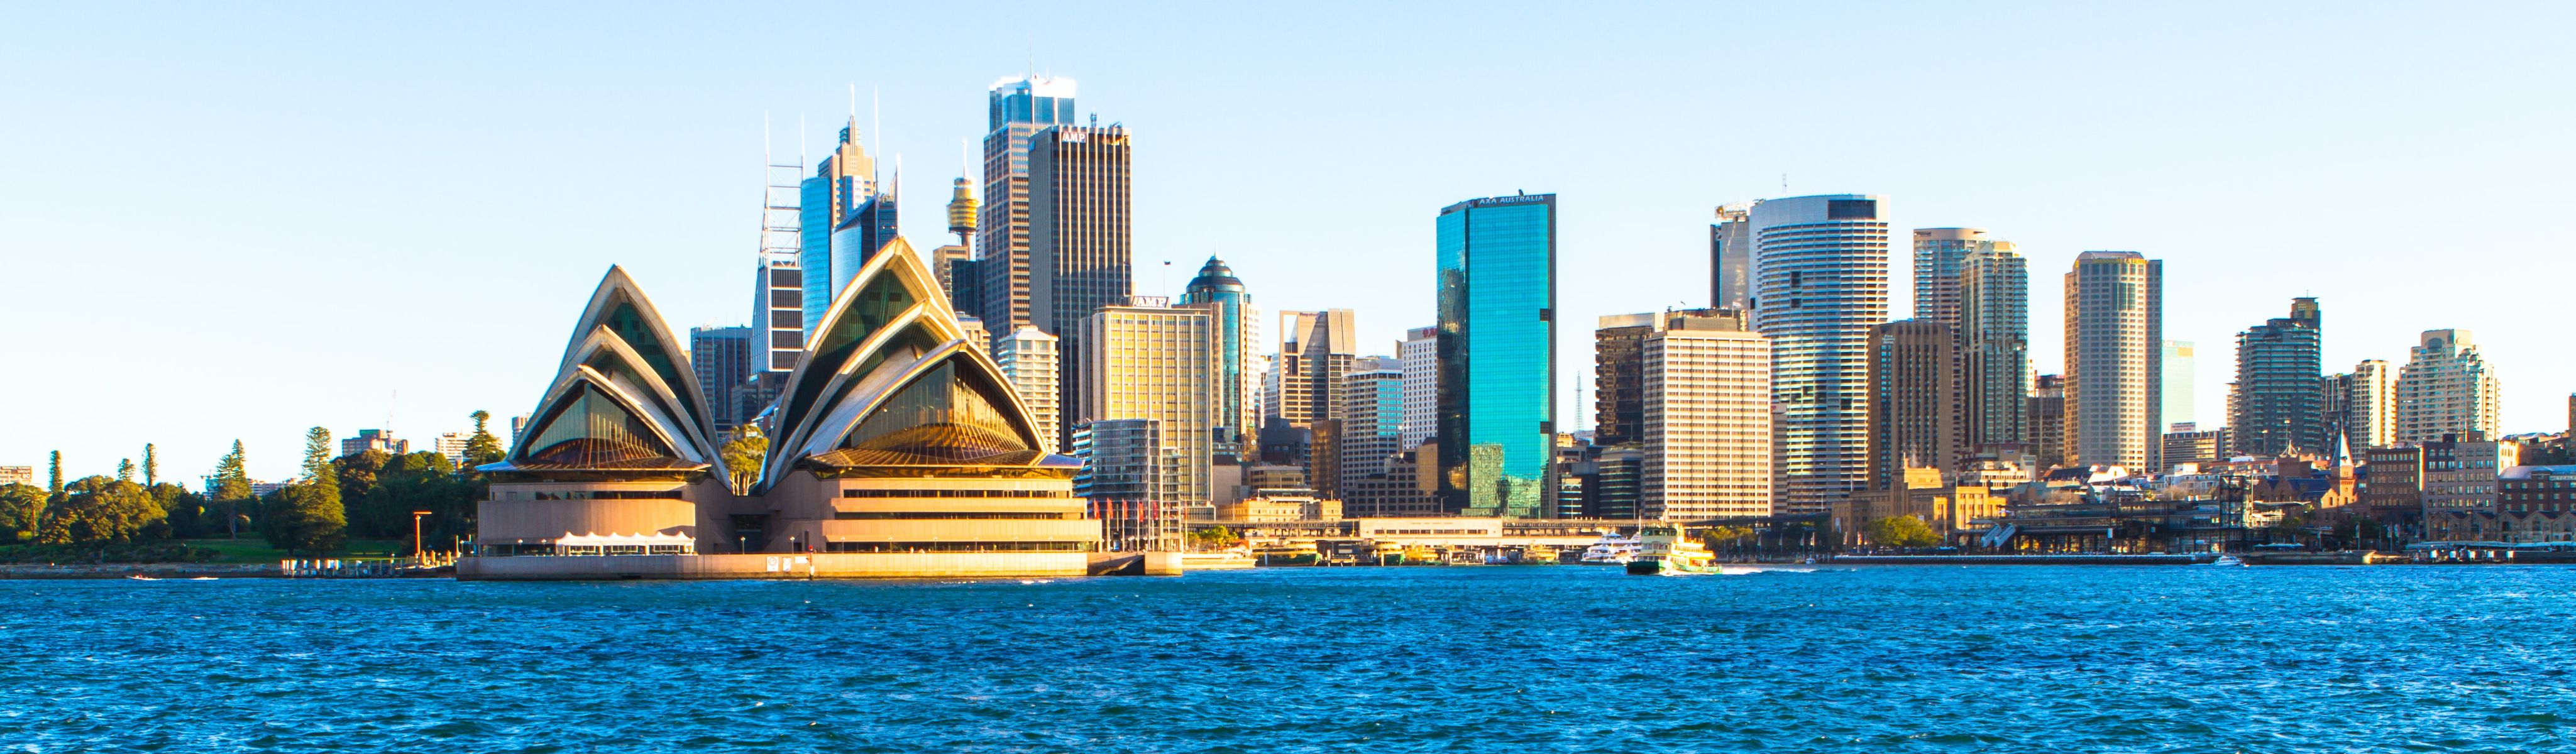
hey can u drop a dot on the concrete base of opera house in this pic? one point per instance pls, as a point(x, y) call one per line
point(871, 565)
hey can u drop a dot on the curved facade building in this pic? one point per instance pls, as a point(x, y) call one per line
point(621, 447)
point(1819, 285)
point(1238, 327)
point(897, 449)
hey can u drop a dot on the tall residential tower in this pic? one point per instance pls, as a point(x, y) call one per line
point(1819, 285)
point(2114, 360)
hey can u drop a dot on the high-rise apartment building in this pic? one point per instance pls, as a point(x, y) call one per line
point(1079, 244)
point(2277, 402)
point(450, 445)
point(1913, 401)
point(1819, 285)
point(1238, 372)
point(842, 184)
point(1157, 363)
point(1031, 361)
point(379, 440)
point(1707, 427)
point(724, 359)
point(2048, 421)
point(1419, 353)
point(1730, 257)
point(1371, 429)
point(1018, 109)
point(1994, 348)
point(2181, 361)
point(2361, 406)
point(1939, 255)
point(1496, 263)
point(2446, 388)
point(2114, 360)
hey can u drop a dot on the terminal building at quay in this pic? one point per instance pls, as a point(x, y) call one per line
point(896, 449)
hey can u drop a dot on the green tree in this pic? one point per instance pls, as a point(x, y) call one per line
point(54, 487)
point(125, 470)
point(232, 486)
point(1213, 538)
point(100, 510)
point(189, 513)
point(1900, 531)
point(151, 467)
point(743, 457)
point(417, 482)
point(22, 513)
point(305, 518)
point(357, 472)
point(482, 448)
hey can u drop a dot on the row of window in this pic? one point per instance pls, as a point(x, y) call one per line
point(956, 493)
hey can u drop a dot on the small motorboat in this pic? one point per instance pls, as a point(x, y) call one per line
point(2227, 560)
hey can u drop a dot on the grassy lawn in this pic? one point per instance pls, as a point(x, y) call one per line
point(252, 549)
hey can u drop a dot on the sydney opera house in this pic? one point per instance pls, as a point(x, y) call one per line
point(895, 449)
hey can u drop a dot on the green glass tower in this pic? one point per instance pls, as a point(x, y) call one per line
point(1496, 417)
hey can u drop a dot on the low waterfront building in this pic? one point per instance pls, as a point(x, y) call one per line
point(1952, 511)
point(374, 439)
point(18, 475)
point(2460, 471)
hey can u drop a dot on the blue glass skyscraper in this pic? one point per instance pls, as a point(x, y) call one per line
point(841, 183)
point(1497, 351)
point(1237, 327)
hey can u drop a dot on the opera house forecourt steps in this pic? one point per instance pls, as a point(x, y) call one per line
point(895, 450)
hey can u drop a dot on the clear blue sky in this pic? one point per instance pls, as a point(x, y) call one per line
point(223, 222)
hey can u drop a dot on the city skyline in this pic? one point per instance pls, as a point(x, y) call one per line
point(255, 250)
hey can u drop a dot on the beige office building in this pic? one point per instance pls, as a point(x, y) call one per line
point(2447, 387)
point(1707, 426)
point(1315, 352)
point(1030, 362)
point(1158, 363)
point(2114, 360)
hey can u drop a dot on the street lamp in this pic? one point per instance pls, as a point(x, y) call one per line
point(416, 555)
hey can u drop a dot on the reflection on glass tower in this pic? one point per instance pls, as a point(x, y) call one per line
point(1497, 354)
point(1238, 328)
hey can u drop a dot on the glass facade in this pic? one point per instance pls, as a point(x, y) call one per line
point(1217, 285)
point(590, 430)
point(1497, 354)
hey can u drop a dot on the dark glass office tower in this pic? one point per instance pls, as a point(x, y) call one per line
point(1497, 351)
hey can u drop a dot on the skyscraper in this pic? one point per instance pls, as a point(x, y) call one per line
point(2181, 361)
point(1994, 348)
point(1031, 362)
point(869, 226)
point(1158, 364)
point(1819, 285)
point(2278, 400)
point(1939, 254)
point(1913, 400)
point(2361, 406)
point(841, 183)
point(1316, 350)
point(2048, 421)
point(1496, 263)
point(1730, 257)
point(778, 332)
point(723, 358)
point(1371, 427)
point(1707, 426)
point(2446, 388)
point(955, 263)
point(1019, 108)
point(1079, 245)
point(1237, 376)
point(1619, 377)
point(2114, 355)
point(1419, 353)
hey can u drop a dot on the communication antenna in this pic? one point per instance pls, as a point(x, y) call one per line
point(1784, 184)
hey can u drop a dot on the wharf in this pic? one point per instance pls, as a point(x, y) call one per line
point(2061, 559)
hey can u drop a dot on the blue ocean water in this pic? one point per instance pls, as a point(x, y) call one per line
point(1467, 659)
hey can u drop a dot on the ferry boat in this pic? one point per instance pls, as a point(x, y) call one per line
point(1611, 550)
point(1662, 550)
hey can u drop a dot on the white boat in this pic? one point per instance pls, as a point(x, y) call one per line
point(1611, 550)
point(2228, 560)
point(1663, 550)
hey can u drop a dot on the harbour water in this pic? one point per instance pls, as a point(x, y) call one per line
point(1501, 659)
